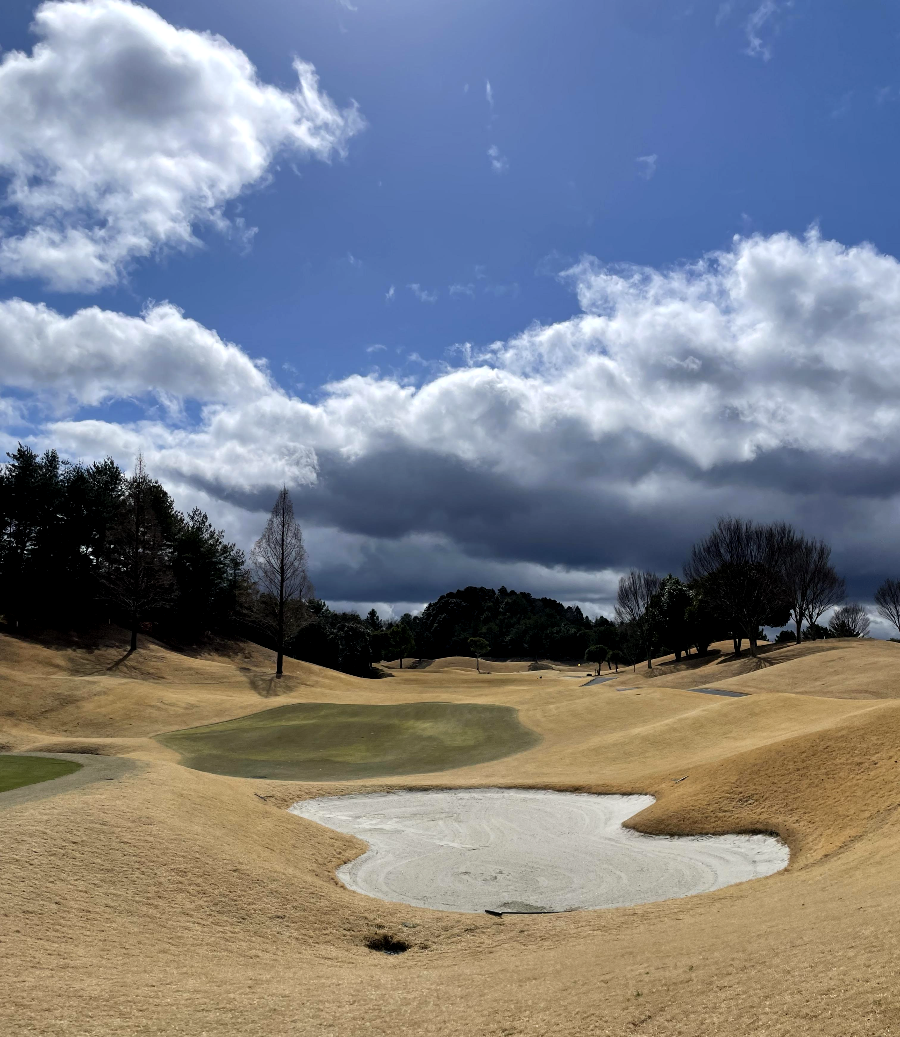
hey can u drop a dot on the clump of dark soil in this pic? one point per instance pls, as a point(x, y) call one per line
point(387, 944)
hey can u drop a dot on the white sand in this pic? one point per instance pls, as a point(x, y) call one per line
point(521, 850)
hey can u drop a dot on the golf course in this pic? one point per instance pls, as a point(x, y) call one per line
point(182, 854)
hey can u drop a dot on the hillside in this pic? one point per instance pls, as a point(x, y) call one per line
point(166, 865)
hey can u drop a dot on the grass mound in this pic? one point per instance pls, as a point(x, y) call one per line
point(16, 771)
point(325, 741)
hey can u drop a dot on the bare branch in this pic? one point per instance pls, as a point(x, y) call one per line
point(849, 621)
point(812, 584)
point(887, 601)
point(279, 566)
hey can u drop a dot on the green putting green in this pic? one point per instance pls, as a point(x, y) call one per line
point(324, 741)
point(16, 771)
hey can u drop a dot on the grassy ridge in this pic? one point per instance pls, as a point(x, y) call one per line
point(324, 741)
point(16, 771)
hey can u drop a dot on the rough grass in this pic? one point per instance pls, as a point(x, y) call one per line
point(325, 741)
point(16, 771)
point(108, 891)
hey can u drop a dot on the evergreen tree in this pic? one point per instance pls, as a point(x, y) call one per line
point(137, 564)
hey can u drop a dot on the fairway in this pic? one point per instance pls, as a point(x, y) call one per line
point(16, 771)
point(324, 741)
point(109, 884)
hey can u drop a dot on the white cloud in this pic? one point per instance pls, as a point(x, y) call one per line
point(779, 342)
point(499, 162)
point(647, 166)
point(96, 355)
point(762, 16)
point(422, 294)
point(763, 378)
point(389, 294)
point(377, 348)
point(743, 352)
point(120, 133)
point(462, 289)
point(489, 94)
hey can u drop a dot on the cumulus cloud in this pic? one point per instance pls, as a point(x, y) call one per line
point(762, 380)
point(120, 133)
point(96, 355)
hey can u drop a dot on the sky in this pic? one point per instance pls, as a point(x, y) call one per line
point(523, 293)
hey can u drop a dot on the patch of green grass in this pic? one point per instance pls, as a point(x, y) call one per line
point(16, 771)
point(325, 741)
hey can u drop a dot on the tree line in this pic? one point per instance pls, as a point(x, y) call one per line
point(82, 545)
point(744, 576)
point(85, 544)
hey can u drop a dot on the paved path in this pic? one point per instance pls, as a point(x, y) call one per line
point(721, 691)
point(93, 768)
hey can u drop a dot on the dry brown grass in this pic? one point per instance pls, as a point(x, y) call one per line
point(176, 902)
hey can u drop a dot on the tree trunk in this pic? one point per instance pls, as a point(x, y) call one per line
point(477, 666)
point(737, 645)
point(134, 633)
point(279, 665)
point(799, 623)
point(401, 662)
point(752, 641)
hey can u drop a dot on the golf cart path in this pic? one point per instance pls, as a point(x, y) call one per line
point(93, 768)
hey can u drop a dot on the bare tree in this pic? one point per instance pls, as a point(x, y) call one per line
point(812, 584)
point(279, 567)
point(741, 569)
point(887, 601)
point(137, 568)
point(633, 605)
point(849, 621)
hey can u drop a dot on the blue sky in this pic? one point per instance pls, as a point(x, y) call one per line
point(493, 147)
point(581, 91)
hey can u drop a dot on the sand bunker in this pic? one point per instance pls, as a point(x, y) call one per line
point(528, 850)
